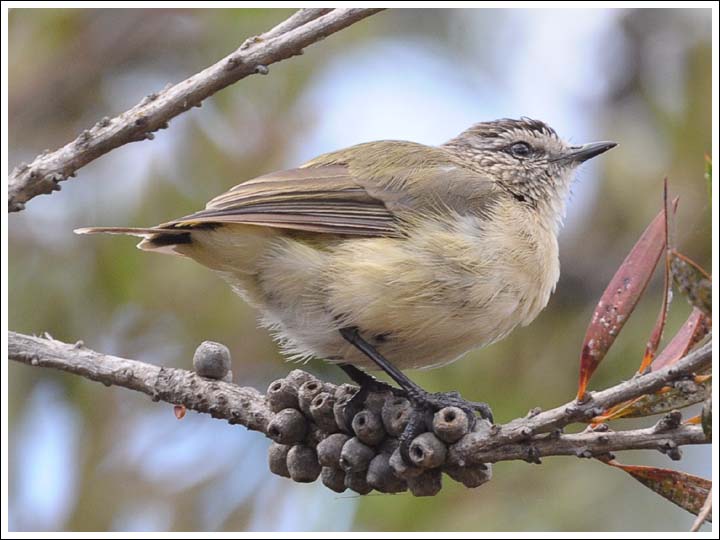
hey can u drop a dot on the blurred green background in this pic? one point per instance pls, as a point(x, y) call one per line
point(86, 457)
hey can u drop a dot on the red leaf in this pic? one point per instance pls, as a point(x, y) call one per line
point(620, 298)
point(694, 329)
point(685, 490)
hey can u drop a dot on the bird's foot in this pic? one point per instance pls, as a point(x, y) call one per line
point(368, 385)
point(426, 404)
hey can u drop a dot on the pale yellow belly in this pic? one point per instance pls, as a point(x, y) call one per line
point(421, 301)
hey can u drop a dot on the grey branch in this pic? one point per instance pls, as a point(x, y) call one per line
point(528, 438)
point(289, 38)
point(236, 404)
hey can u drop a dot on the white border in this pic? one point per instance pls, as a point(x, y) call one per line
point(214, 4)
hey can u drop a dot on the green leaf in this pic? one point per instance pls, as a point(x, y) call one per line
point(693, 282)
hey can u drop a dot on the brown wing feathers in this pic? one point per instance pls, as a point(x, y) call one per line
point(314, 199)
point(323, 199)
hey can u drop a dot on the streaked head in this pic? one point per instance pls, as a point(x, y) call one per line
point(526, 157)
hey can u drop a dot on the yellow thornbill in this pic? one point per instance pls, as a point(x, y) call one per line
point(393, 254)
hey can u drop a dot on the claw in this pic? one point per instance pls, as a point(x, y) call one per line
point(425, 406)
point(416, 426)
point(354, 405)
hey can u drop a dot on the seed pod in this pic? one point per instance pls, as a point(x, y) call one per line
point(277, 459)
point(339, 412)
point(427, 451)
point(471, 477)
point(450, 424)
point(333, 478)
point(380, 476)
point(427, 484)
point(368, 427)
point(345, 390)
point(402, 469)
point(357, 482)
point(281, 395)
point(306, 393)
point(211, 360)
point(288, 426)
point(375, 401)
point(355, 456)
point(302, 464)
point(322, 412)
point(297, 377)
point(314, 435)
point(330, 449)
point(395, 415)
point(388, 446)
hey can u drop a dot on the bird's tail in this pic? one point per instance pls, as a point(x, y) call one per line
point(154, 238)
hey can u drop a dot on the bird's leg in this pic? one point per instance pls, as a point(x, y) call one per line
point(425, 403)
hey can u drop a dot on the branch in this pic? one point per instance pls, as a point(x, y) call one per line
point(289, 38)
point(585, 445)
point(523, 438)
point(475, 446)
point(233, 403)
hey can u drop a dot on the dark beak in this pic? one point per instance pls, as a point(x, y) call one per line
point(582, 153)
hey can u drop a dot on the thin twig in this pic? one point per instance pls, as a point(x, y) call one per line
point(154, 111)
point(524, 438)
point(704, 513)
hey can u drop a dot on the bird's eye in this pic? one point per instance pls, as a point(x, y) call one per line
point(520, 149)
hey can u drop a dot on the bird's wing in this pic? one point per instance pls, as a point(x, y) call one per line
point(322, 199)
point(363, 190)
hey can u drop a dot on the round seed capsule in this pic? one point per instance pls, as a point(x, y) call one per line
point(450, 424)
point(297, 377)
point(302, 464)
point(281, 395)
point(427, 451)
point(314, 435)
point(211, 360)
point(333, 478)
point(375, 401)
point(380, 476)
point(471, 477)
point(368, 427)
point(355, 456)
point(330, 449)
point(396, 414)
point(277, 459)
point(402, 469)
point(306, 394)
point(357, 482)
point(345, 390)
point(339, 412)
point(388, 446)
point(288, 426)
point(427, 484)
point(322, 412)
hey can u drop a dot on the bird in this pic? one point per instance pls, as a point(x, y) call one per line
point(392, 254)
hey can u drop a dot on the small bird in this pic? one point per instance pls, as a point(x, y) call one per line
point(393, 254)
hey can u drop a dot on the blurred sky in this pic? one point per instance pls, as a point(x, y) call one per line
point(425, 82)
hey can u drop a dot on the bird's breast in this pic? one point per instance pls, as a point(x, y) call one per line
point(448, 286)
